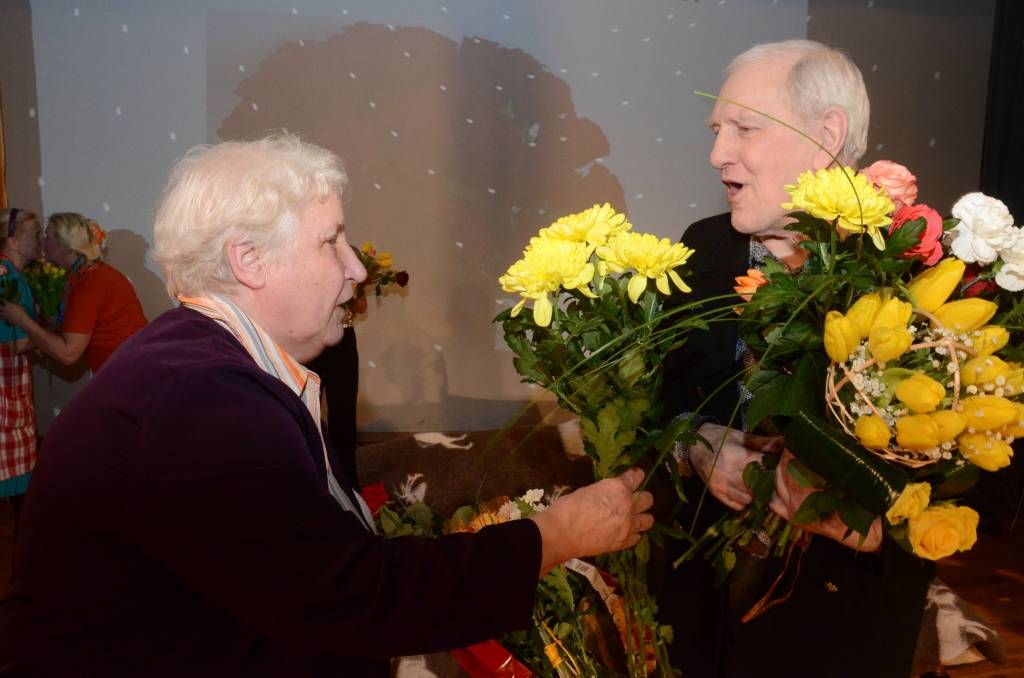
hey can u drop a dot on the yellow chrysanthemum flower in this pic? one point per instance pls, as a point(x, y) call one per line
point(594, 226)
point(546, 266)
point(847, 195)
point(649, 257)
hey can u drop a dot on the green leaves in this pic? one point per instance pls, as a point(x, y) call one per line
point(780, 394)
point(853, 471)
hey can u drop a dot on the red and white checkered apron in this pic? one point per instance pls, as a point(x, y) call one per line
point(17, 414)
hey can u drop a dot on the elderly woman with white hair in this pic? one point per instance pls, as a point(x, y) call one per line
point(187, 516)
point(854, 608)
point(100, 309)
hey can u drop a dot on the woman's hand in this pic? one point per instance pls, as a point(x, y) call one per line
point(789, 495)
point(609, 515)
point(724, 475)
point(14, 314)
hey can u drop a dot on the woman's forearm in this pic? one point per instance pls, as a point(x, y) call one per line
point(58, 346)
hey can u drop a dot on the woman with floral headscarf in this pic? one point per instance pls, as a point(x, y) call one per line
point(100, 309)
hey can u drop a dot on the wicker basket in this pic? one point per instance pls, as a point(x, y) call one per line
point(839, 376)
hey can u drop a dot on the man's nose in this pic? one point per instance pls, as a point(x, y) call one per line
point(721, 151)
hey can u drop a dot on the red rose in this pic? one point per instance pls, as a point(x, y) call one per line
point(973, 286)
point(402, 278)
point(929, 247)
point(375, 496)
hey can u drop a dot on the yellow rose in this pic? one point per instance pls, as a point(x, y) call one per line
point(872, 431)
point(931, 289)
point(840, 336)
point(989, 412)
point(1015, 429)
point(983, 370)
point(984, 451)
point(889, 343)
point(941, 531)
point(862, 313)
point(910, 504)
point(950, 424)
point(384, 259)
point(989, 339)
point(917, 432)
point(893, 313)
point(920, 393)
point(965, 315)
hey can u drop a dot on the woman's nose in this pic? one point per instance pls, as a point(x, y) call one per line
point(354, 269)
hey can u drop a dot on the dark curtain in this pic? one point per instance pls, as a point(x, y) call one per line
point(1002, 158)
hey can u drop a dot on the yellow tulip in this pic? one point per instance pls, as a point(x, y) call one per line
point(911, 503)
point(1015, 429)
point(984, 451)
point(965, 315)
point(889, 343)
point(920, 393)
point(862, 313)
point(932, 288)
point(983, 370)
point(989, 412)
point(943, 530)
point(872, 432)
point(892, 313)
point(950, 424)
point(1014, 380)
point(989, 339)
point(840, 336)
point(917, 432)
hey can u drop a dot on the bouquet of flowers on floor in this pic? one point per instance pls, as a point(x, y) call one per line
point(46, 281)
point(573, 607)
point(891, 362)
point(596, 338)
point(380, 276)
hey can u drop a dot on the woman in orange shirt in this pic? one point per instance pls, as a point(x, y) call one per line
point(101, 309)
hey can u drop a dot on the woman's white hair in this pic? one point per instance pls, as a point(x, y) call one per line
point(823, 77)
point(250, 190)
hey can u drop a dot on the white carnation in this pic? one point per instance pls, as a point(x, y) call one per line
point(985, 229)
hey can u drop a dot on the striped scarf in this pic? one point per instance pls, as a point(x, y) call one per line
point(276, 362)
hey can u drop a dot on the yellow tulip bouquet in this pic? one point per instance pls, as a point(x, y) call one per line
point(596, 338)
point(46, 281)
point(892, 382)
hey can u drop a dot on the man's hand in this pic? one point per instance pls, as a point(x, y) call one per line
point(789, 495)
point(724, 476)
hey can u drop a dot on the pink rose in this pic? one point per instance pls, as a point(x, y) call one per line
point(895, 179)
point(929, 247)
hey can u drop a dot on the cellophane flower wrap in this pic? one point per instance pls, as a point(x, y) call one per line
point(573, 604)
point(892, 380)
point(596, 337)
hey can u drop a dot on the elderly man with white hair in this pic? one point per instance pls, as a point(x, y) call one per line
point(850, 608)
point(187, 516)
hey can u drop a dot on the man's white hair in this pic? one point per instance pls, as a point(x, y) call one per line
point(254, 190)
point(823, 77)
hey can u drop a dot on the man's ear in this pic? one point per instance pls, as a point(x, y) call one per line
point(833, 129)
point(248, 267)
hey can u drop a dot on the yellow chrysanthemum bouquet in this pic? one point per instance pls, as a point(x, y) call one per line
point(601, 325)
point(879, 368)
